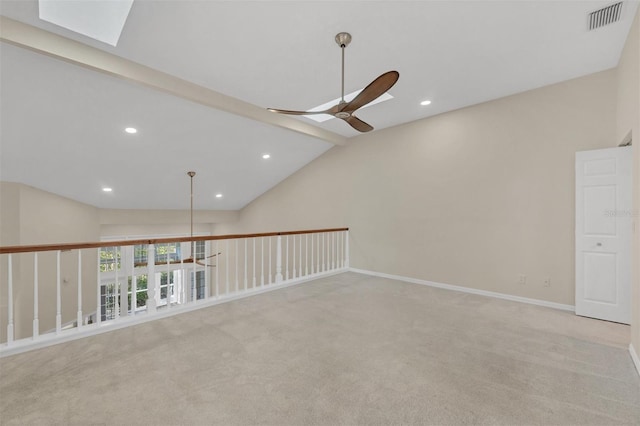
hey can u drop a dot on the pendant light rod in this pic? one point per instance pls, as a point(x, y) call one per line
point(191, 175)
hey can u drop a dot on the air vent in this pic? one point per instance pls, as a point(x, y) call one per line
point(605, 16)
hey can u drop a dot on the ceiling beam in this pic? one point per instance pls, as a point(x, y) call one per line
point(41, 41)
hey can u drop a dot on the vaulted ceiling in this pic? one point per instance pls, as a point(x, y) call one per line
point(62, 121)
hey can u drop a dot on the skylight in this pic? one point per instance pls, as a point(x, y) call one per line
point(324, 117)
point(101, 20)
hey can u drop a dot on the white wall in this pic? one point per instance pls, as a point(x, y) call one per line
point(628, 120)
point(32, 216)
point(473, 197)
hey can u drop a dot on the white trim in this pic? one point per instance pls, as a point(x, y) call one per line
point(27, 344)
point(634, 357)
point(510, 297)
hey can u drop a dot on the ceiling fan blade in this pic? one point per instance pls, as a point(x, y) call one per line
point(285, 111)
point(358, 124)
point(376, 88)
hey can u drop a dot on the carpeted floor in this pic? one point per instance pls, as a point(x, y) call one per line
point(349, 349)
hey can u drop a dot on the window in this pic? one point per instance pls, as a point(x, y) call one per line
point(128, 265)
point(199, 285)
point(109, 259)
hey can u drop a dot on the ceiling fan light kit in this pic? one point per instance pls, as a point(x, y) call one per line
point(344, 110)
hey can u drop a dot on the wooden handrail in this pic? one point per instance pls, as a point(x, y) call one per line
point(99, 244)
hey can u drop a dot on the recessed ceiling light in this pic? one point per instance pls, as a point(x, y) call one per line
point(131, 130)
point(427, 102)
point(266, 156)
point(218, 195)
point(107, 189)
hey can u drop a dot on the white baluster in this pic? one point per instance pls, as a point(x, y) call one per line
point(237, 266)
point(279, 259)
point(168, 279)
point(36, 322)
point(217, 269)
point(254, 263)
point(340, 250)
point(226, 262)
point(182, 287)
point(116, 303)
point(330, 264)
point(10, 332)
point(207, 270)
point(194, 291)
point(261, 261)
point(327, 251)
point(319, 254)
point(134, 294)
point(79, 313)
point(328, 234)
point(330, 251)
point(286, 260)
point(306, 254)
point(346, 249)
point(312, 253)
point(58, 296)
point(300, 255)
point(99, 302)
point(246, 270)
point(152, 304)
point(324, 259)
point(293, 263)
point(333, 247)
point(270, 276)
point(124, 286)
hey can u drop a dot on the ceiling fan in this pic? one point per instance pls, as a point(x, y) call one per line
point(344, 110)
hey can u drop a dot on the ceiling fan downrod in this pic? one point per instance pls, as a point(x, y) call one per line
point(343, 39)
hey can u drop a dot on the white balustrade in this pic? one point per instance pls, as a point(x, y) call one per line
point(184, 278)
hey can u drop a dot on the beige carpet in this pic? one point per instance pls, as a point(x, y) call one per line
point(349, 349)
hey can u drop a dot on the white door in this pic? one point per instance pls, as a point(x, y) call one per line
point(603, 234)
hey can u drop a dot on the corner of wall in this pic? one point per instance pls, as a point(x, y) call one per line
point(634, 357)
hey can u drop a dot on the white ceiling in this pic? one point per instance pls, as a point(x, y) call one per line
point(62, 124)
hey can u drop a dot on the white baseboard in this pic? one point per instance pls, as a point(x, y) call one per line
point(634, 357)
point(520, 299)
